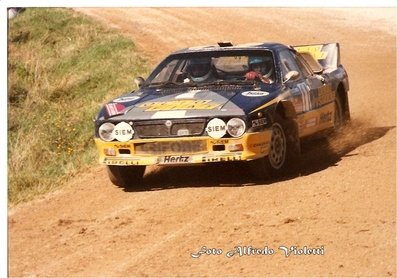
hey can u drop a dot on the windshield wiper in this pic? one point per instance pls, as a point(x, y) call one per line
point(230, 82)
point(163, 84)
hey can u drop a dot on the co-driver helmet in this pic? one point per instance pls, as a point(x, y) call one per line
point(264, 63)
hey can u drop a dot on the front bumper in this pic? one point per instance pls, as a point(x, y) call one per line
point(186, 150)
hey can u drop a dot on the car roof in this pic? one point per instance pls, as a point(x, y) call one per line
point(228, 46)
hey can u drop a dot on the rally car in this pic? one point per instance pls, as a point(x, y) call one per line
point(251, 103)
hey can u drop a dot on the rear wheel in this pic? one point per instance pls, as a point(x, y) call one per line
point(126, 176)
point(338, 114)
point(284, 151)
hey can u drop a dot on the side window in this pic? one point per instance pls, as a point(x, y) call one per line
point(289, 63)
point(303, 65)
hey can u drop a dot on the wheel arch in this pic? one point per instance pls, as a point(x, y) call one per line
point(287, 112)
point(286, 109)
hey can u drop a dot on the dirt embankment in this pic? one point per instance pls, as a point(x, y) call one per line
point(344, 201)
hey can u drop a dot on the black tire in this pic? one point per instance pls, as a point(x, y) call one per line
point(284, 153)
point(126, 176)
point(339, 119)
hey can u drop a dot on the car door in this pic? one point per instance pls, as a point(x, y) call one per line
point(307, 91)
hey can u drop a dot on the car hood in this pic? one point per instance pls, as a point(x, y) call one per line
point(188, 103)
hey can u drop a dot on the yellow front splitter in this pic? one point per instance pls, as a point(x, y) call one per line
point(179, 151)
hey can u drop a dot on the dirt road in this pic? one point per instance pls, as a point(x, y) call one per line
point(343, 204)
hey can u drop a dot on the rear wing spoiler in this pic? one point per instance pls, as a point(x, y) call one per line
point(326, 56)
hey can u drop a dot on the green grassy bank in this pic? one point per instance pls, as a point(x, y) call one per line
point(61, 67)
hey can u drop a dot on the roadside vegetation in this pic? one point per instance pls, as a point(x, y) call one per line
point(61, 67)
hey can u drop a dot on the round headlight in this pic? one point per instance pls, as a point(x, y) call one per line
point(216, 128)
point(106, 132)
point(235, 127)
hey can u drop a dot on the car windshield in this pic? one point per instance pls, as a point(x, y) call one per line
point(227, 67)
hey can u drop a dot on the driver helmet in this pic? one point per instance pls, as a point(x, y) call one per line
point(200, 68)
point(264, 64)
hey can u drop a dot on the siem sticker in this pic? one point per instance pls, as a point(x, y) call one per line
point(216, 128)
point(123, 132)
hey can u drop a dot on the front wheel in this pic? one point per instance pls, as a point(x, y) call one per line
point(278, 148)
point(284, 151)
point(126, 176)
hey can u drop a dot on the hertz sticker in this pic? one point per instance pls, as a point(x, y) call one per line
point(186, 104)
point(314, 50)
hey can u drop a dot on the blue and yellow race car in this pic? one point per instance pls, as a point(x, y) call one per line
point(225, 103)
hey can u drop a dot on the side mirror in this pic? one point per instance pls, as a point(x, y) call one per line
point(139, 81)
point(291, 75)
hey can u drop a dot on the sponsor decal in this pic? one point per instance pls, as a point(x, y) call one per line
point(122, 146)
point(325, 117)
point(123, 132)
point(314, 50)
point(259, 122)
point(221, 158)
point(216, 128)
point(323, 96)
point(114, 108)
point(219, 142)
point(311, 122)
point(112, 161)
point(126, 99)
point(255, 94)
point(183, 104)
point(170, 159)
point(169, 114)
point(304, 90)
point(171, 147)
point(261, 146)
point(188, 95)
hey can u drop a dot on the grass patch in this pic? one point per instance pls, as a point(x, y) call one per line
point(61, 67)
